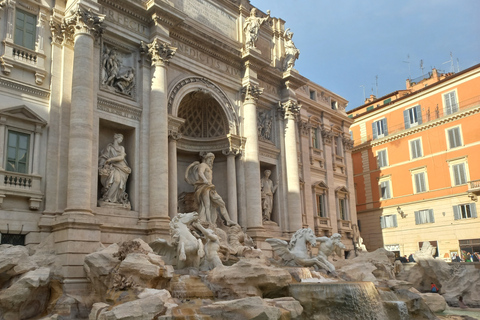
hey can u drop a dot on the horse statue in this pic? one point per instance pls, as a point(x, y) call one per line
point(295, 253)
point(329, 246)
point(184, 250)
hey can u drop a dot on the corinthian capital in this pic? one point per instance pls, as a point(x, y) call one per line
point(290, 108)
point(158, 51)
point(83, 21)
point(252, 92)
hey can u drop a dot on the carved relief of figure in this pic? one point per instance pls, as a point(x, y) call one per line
point(268, 189)
point(267, 128)
point(200, 175)
point(264, 126)
point(112, 66)
point(291, 52)
point(252, 27)
point(114, 172)
point(126, 82)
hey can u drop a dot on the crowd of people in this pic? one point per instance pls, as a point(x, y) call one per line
point(466, 257)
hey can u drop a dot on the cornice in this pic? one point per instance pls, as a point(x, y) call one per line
point(138, 12)
point(234, 59)
point(42, 93)
point(420, 128)
point(121, 109)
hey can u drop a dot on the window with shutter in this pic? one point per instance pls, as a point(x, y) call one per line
point(25, 28)
point(451, 105)
point(459, 175)
point(465, 211)
point(416, 149)
point(385, 192)
point(382, 158)
point(420, 185)
point(424, 216)
point(379, 128)
point(389, 221)
point(454, 137)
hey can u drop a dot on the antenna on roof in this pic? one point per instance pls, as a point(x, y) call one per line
point(376, 84)
point(458, 65)
point(421, 66)
point(452, 66)
point(408, 61)
point(363, 92)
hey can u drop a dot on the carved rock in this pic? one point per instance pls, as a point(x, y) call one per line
point(246, 308)
point(434, 301)
point(248, 277)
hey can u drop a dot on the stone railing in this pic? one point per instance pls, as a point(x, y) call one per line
point(323, 226)
point(21, 185)
point(474, 189)
point(18, 56)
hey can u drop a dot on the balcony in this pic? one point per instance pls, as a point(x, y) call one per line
point(345, 228)
point(20, 57)
point(323, 226)
point(21, 185)
point(474, 189)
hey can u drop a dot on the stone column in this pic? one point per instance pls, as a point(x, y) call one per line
point(173, 136)
point(160, 54)
point(86, 27)
point(231, 183)
point(252, 164)
point(241, 200)
point(291, 110)
point(305, 130)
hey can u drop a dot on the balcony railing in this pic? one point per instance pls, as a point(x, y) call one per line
point(21, 185)
point(429, 113)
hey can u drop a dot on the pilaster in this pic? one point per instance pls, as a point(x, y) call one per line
point(174, 124)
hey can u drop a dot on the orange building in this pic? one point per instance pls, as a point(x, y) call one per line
point(416, 163)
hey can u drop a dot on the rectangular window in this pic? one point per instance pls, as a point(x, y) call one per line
point(459, 174)
point(389, 221)
point(412, 117)
point(315, 138)
point(387, 100)
point(420, 183)
point(416, 149)
point(379, 128)
point(25, 27)
point(342, 207)
point(334, 104)
point(18, 152)
point(385, 190)
point(465, 211)
point(312, 95)
point(321, 211)
point(451, 105)
point(382, 160)
point(454, 137)
point(338, 146)
point(424, 216)
point(369, 108)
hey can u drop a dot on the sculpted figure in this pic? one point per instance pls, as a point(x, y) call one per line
point(268, 189)
point(427, 252)
point(184, 250)
point(252, 27)
point(126, 82)
point(291, 52)
point(114, 172)
point(295, 253)
point(329, 246)
point(211, 248)
point(112, 66)
point(200, 175)
point(237, 241)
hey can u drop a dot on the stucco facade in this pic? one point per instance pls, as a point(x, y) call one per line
point(415, 162)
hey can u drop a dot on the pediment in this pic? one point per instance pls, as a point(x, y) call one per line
point(23, 113)
point(320, 184)
point(341, 190)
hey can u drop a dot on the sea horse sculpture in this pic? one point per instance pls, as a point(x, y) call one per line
point(184, 250)
point(295, 252)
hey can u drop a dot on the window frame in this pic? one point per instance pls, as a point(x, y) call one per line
point(321, 189)
point(424, 216)
point(416, 112)
point(381, 151)
point(414, 173)
point(458, 212)
point(460, 136)
point(446, 107)
point(456, 162)
point(376, 125)
point(392, 224)
point(30, 146)
point(387, 182)
point(420, 143)
point(32, 45)
point(341, 195)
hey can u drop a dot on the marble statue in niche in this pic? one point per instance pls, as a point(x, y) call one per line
point(252, 27)
point(114, 171)
point(116, 76)
point(264, 126)
point(291, 52)
point(200, 175)
point(267, 189)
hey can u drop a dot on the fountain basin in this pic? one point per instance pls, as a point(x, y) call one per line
point(339, 300)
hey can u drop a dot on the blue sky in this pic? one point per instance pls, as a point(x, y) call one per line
point(345, 44)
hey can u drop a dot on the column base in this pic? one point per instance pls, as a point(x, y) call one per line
point(158, 227)
point(76, 211)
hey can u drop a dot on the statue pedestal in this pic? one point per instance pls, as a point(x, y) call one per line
point(116, 206)
point(272, 229)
